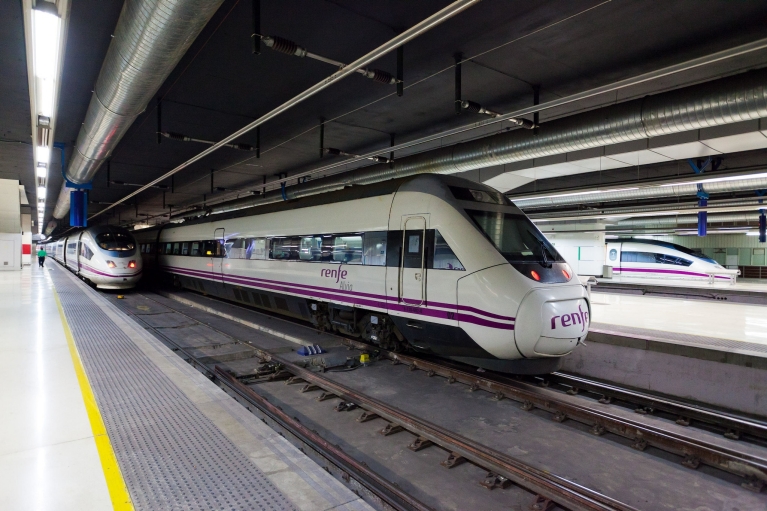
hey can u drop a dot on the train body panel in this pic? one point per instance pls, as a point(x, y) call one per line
point(654, 259)
point(416, 263)
point(106, 256)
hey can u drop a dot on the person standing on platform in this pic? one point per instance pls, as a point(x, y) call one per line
point(41, 257)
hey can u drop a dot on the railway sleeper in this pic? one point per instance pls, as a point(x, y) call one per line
point(453, 460)
point(420, 443)
point(541, 503)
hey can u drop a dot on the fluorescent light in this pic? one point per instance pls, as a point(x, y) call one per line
point(43, 154)
point(45, 28)
point(40, 191)
point(752, 233)
point(42, 172)
point(718, 179)
point(46, 40)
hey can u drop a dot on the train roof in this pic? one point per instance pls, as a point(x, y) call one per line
point(353, 192)
point(667, 244)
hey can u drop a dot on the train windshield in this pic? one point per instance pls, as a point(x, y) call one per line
point(115, 241)
point(515, 237)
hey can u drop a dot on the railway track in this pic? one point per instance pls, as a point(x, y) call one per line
point(604, 419)
point(548, 489)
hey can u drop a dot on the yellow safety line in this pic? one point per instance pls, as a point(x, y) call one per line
point(118, 492)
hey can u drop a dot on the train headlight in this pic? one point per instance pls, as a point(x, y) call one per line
point(566, 274)
point(132, 264)
point(535, 275)
point(111, 264)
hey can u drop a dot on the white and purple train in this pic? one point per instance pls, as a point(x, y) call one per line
point(104, 256)
point(655, 259)
point(437, 264)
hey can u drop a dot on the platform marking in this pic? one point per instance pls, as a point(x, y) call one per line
point(118, 491)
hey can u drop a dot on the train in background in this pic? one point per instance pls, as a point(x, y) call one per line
point(435, 264)
point(655, 259)
point(104, 256)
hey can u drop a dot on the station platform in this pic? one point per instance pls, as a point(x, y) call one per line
point(752, 291)
point(101, 415)
point(712, 351)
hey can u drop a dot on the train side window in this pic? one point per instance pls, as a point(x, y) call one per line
point(374, 249)
point(285, 249)
point(185, 248)
point(195, 249)
point(85, 251)
point(168, 249)
point(393, 248)
point(177, 249)
point(310, 248)
point(212, 249)
point(236, 248)
point(347, 249)
point(444, 257)
point(256, 248)
point(413, 248)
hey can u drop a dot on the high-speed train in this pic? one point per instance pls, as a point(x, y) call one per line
point(106, 256)
point(655, 259)
point(437, 264)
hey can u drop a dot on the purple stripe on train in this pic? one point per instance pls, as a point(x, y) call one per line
point(673, 272)
point(97, 272)
point(465, 308)
point(288, 288)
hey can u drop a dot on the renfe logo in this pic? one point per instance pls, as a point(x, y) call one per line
point(338, 274)
point(576, 318)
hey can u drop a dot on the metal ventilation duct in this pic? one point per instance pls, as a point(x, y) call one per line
point(728, 100)
point(667, 221)
point(150, 38)
point(644, 193)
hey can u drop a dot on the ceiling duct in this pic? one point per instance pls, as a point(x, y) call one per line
point(150, 38)
point(671, 221)
point(653, 192)
point(728, 100)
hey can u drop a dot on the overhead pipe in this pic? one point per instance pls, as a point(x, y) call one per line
point(150, 38)
point(650, 192)
point(686, 220)
point(724, 101)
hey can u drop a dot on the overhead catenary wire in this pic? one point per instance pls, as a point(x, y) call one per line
point(432, 21)
point(621, 84)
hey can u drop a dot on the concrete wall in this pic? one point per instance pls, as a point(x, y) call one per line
point(585, 251)
point(10, 225)
point(725, 379)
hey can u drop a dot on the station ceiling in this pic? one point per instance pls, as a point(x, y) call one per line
point(220, 85)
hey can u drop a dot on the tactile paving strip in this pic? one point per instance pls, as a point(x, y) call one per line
point(688, 339)
point(170, 454)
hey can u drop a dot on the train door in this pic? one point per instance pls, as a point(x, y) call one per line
point(218, 257)
point(412, 269)
point(79, 249)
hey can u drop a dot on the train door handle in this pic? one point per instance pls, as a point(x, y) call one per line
point(418, 276)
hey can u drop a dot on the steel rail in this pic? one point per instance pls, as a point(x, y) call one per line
point(389, 493)
point(684, 411)
point(549, 486)
point(394, 496)
point(432, 21)
point(752, 468)
point(695, 451)
point(557, 489)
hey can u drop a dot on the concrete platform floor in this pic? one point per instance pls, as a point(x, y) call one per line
point(723, 320)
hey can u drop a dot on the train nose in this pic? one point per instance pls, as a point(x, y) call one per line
point(551, 322)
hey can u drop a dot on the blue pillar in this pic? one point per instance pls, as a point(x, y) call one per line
point(702, 218)
point(78, 208)
point(762, 227)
